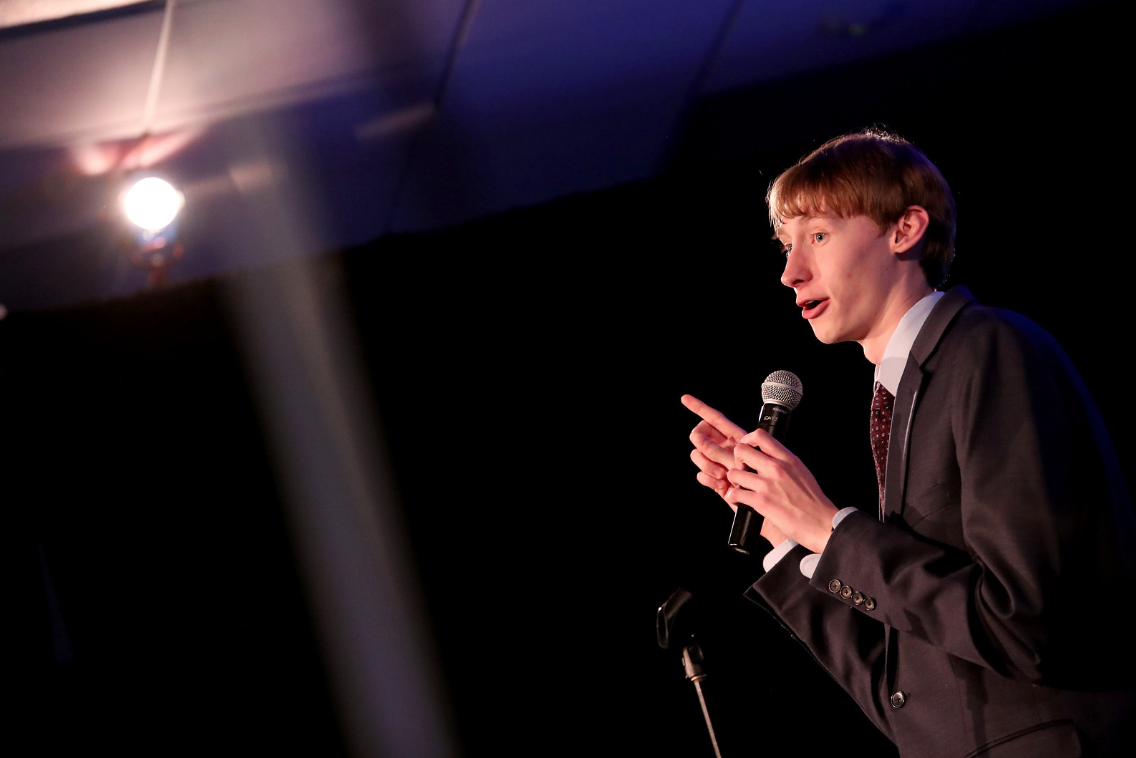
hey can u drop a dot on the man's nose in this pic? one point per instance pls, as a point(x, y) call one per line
point(795, 273)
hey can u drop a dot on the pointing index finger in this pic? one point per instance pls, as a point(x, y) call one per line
point(713, 417)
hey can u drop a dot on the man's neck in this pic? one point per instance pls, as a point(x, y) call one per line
point(903, 298)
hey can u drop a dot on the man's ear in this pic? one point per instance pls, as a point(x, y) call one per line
point(909, 230)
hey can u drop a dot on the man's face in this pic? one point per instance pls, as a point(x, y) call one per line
point(841, 270)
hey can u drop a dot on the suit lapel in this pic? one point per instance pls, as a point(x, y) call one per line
point(910, 387)
point(902, 412)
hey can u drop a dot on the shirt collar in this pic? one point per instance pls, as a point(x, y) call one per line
point(890, 370)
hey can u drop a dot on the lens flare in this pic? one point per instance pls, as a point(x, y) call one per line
point(152, 203)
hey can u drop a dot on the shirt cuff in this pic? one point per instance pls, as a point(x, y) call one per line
point(810, 561)
point(777, 553)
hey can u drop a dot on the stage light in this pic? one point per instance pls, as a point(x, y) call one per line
point(152, 203)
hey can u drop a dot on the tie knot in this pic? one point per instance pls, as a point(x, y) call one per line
point(881, 395)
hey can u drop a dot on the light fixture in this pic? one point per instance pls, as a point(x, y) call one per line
point(152, 203)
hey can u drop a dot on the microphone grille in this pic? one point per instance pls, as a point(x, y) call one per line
point(783, 388)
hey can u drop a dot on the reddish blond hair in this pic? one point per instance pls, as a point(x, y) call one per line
point(876, 174)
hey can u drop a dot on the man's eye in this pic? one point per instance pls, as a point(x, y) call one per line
point(786, 249)
point(819, 236)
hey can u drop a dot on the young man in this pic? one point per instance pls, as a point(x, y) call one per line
point(976, 609)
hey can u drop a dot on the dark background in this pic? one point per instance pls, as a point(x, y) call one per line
point(527, 369)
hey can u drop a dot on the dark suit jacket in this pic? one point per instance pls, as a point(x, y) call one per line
point(984, 615)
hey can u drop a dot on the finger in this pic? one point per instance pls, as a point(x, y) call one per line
point(781, 517)
point(729, 498)
point(741, 496)
point(746, 479)
point(720, 422)
point(714, 452)
point(721, 486)
point(707, 429)
point(762, 439)
point(707, 466)
point(745, 455)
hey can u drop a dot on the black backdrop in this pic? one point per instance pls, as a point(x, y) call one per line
point(527, 369)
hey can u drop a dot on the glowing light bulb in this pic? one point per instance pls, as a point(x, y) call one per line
point(152, 203)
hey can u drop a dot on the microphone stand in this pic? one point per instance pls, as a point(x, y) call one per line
point(674, 623)
point(692, 662)
point(780, 393)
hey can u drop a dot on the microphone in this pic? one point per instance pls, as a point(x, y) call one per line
point(780, 393)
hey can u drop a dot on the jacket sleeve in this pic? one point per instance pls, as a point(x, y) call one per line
point(1027, 595)
point(849, 646)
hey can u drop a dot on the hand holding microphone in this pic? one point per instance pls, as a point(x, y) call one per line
point(715, 438)
point(781, 392)
point(767, 478)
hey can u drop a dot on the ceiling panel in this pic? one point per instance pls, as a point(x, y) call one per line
point(320, 96)
point(15, 13)
point(76, 81)
point(771, 39)
point(88, 81)
point(244, 55)
point(550, 98)
point(997, 13)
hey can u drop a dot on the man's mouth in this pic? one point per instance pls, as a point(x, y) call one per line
point(813, 308)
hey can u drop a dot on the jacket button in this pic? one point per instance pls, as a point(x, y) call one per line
point(834, 585)
point(846, 592)
point(857, 597)
point(898, 699)
point(869, 604)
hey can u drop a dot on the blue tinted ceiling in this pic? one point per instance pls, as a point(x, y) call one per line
point(355, 118)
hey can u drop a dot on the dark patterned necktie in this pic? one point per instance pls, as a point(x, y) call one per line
point(882, 403)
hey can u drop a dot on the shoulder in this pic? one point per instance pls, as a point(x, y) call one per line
point(994, 352)
point(982, 334)
point(983, 320)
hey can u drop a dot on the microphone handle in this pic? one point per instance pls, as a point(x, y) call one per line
point(746, 530)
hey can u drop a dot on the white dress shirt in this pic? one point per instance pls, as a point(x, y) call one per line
point(888, 373)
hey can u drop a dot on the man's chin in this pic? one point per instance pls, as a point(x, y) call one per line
point(824, 335)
